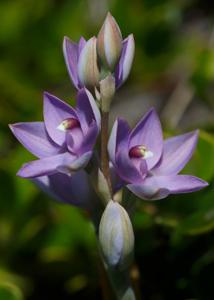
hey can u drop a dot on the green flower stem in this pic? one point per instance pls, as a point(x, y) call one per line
point(119, 278)
point(104, 144)
point(120, 282)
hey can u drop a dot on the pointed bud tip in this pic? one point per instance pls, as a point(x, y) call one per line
point(109, 43)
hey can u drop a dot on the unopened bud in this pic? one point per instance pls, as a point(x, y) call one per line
point(116, 235)
point(109, 43)
point(88, 71)
point(107, 91)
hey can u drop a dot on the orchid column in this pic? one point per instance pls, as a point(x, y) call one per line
point(136, 159)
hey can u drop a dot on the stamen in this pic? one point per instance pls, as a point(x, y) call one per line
point(140, 152)
point(67, 124)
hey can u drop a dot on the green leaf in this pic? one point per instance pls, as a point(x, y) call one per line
point(202, 163)
point(9, 291)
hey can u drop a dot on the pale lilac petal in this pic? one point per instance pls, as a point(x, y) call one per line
point(125, 63)
point(119, 135)
point(71, 52)
point(148, 133)
point(87, 109)
point(81, 162)
point(34, 138)
point(74, 140)
point(177, 151)
point(81, 45)
point(87, 68)
point(47, 166)
point(73, 189)
point(89, 139)
point(117, 182)
point(126, 169)
point(159, 187)
point(56, 111)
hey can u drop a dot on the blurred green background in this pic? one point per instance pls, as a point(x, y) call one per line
point(48, 250)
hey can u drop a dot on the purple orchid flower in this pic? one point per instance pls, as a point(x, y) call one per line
point(72, 54)
point(148, 165)
point(64, 141)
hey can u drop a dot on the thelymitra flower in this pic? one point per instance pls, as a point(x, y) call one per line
point(64, 141)
point(136, 159)
point(149, 166)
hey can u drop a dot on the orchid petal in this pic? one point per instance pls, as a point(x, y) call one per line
point(159, 187)
point(74, 139)
point(81, 162)
point(90, 138)
point(177, 151)
point(73, 189)
point(117, 182)
point(81, 45)
point(126, 59)
point(148, 133)
point(87, 109)
point(47, 166)
point(34, 137)
point(87, 68)
point(70, 50)
point(119, 134)
point(56, 111)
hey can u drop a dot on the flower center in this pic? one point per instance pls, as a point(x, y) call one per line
point(69, 123)
point(140, 151)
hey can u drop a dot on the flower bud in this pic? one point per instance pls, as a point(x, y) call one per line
point(107, 91)
point(88, 71)
point(116, 235)
point(109, 43)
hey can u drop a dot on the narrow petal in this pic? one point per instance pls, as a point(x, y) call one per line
point(117, 182)
point(119, 135)
point(127, 170)
point(87, 109)
point(159, 187)
point(47, 166)
point(70, 50)
point(34, 138)
point(73, 189)
point(89, 139)
point(148, 133)
point(81, 45)
point(56, 111)
point(81, 162)
point(126, 59)
point(74, 140)
point(177, 151)
point(87, 67)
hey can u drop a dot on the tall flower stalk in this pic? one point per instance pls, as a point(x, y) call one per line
point(137, 159)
